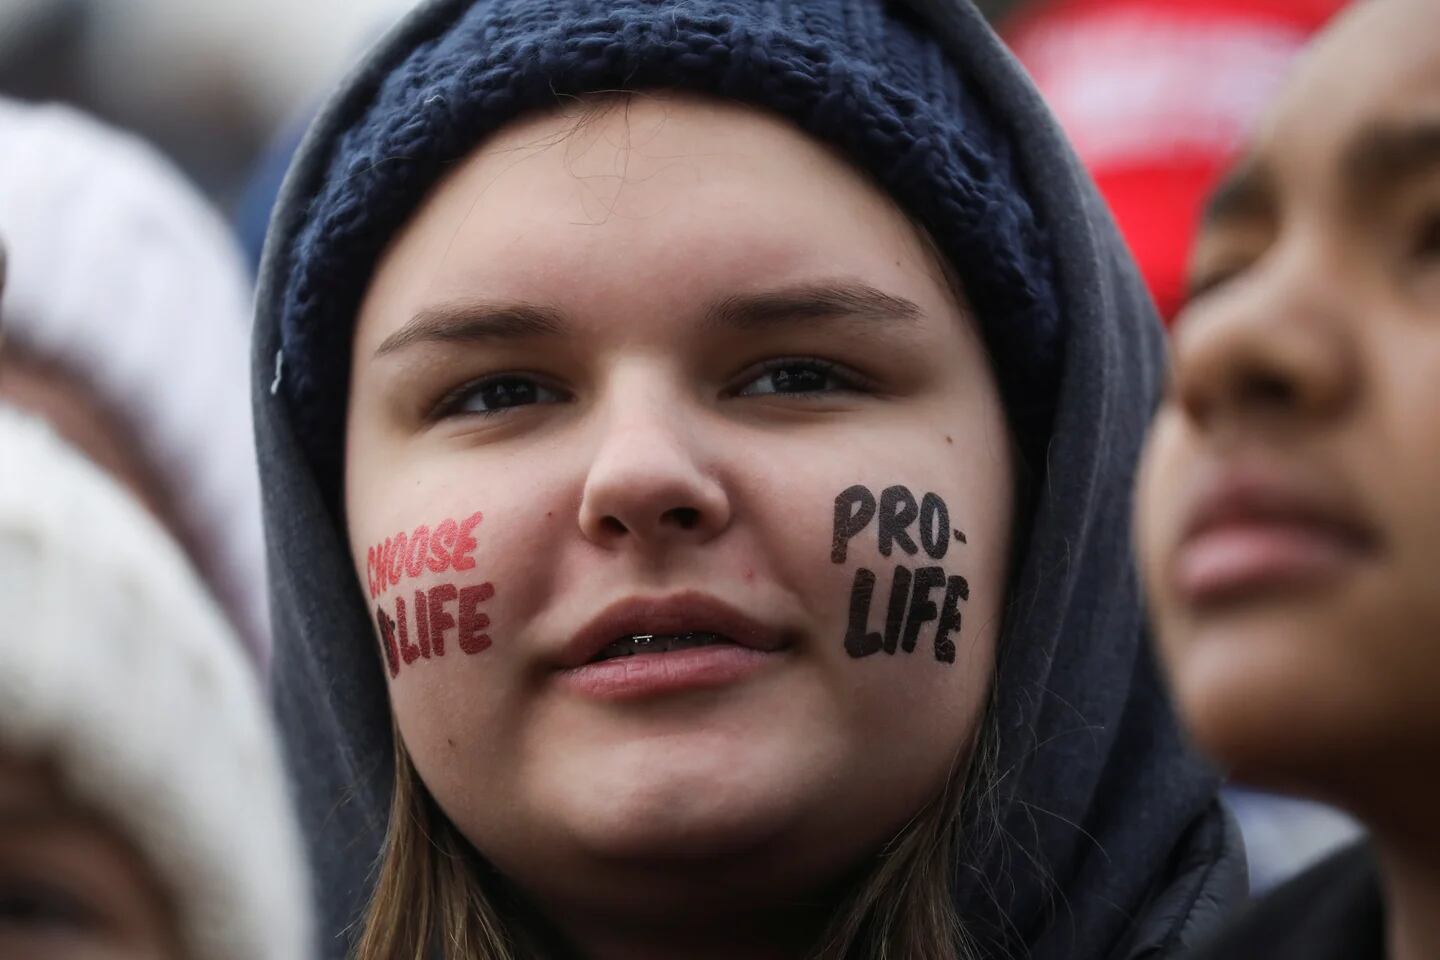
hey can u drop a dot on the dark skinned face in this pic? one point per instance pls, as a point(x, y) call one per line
point(1288, 515)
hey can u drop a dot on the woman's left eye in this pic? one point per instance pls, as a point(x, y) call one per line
point(791, 377)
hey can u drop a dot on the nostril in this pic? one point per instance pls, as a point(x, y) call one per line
point(612, 525)
point(686, 518)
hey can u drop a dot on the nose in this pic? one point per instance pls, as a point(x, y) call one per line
point(648, 485)
point(1281, 353)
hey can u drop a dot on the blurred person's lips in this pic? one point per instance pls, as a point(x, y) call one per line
point(1257, 530)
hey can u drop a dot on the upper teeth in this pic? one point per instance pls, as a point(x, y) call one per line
point(657, 643)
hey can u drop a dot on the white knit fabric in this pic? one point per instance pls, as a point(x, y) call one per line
point(120, 272)
point(117, 666)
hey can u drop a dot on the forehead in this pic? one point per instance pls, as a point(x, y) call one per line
point(661, 195)
point(1377, 69)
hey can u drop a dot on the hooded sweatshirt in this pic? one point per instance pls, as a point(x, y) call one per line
point(1111, 840)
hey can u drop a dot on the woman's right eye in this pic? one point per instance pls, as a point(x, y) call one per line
point(496, 394)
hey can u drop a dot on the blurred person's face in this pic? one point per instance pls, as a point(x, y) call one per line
point(70, 887)
point(1289, 500)
point(75, 413)
point(705, 464)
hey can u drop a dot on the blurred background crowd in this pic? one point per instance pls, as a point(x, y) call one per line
point(225, 89)
point(156, 189)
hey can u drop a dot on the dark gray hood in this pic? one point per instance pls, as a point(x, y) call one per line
point(1112, 840)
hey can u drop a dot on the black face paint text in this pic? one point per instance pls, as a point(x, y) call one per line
point(915, 598)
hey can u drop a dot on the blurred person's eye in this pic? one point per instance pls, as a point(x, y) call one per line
point(794, 376)
point(496, 394)
point(29, 905)
point(1208, 280)
point(1419, 268)
point(1223, 254)
point(1208, 283)
point(1426, 243)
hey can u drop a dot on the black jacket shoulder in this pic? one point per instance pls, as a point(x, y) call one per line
point(1333, 911)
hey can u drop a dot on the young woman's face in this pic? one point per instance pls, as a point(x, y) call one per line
point(648, 416)
point(70, 889)
point(1289, 509)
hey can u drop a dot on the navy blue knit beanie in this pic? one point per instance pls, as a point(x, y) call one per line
point(860, 75)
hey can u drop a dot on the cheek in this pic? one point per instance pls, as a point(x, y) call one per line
point(1157, 508)
point(908, 574)
point(1399, 472)
point(449, 577)
point(913, 622)
point(911, 549)
point(429, 589)
point(450, 591)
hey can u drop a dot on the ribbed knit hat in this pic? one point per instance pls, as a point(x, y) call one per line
point(122, 275)
point(857, 74)
point(118, 669)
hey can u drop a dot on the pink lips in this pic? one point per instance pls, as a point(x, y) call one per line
point(1256, 532)
point(753, 647)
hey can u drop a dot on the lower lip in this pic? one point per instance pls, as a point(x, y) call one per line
point(1252, 561)
point(654, 674)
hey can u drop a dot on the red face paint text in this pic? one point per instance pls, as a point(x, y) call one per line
point(447, 547)
point(429, 623)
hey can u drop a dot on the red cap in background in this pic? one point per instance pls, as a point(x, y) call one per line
point(1158, 97)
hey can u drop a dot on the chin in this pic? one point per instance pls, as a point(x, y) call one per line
point(709, 838)
point(682, 799)
point(1275, 699)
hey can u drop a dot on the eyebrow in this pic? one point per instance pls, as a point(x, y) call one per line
point(475, 322)
point(1384, 154)
point(481, 321)
point(1245, 193)
point(847, 300)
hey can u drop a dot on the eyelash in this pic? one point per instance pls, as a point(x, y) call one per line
point(449, 404)
point(848, 382)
